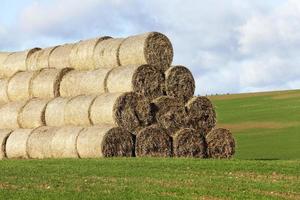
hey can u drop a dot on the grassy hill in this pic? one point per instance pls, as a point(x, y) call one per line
point(266, 166)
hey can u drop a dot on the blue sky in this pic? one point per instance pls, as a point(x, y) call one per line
point(231, 46)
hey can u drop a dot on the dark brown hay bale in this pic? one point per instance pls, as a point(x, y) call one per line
point(55, 112)
point(169, 113)
point(201, 114)
point(77, 83)
point(188, 142)
point(4, 134)
point(143, 79)
point(3, 91)
point(59, 57)
point(179, 83)
point(43, 58)
point(64, 142)
point(149, 48)
point(220, 143)
point(106, 53)
point(9, 115)
point(104, 141)
point(127, 110)
point(33, 114)
point(16, 145)
point(16, 62)
point(39, 142)
point(19, 86)
point(153, 141)
point(46, 83)
point(82, 54)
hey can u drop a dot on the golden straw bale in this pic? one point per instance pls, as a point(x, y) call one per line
point(43, 58)
point(3, 91)
point(16, 145)
point(9, 115)
point(4, 134)
point(59, 57)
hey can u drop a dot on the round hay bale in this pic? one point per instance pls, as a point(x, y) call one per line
point(169, 113)
point(3, 57)
point(104, 141)
point(33, 114)
point(127, 110)
point(16, 145)
point(188, 142)
point(149, 48)
point(4, 134)
point(143, 79)
point(55, 112)
point(179, 83)
point(64, 142)
point(77, 83)
point(77, 111)
point(201, 114)
point(16, 62)
point(43, 58)
point(153, 141)
point(106, 53)
point(9, 115)
point(39, 142)
point(19, 86)
point(59, 57)
point(3, 91)
point(220, 143)
point(46, 83)
point(82, 55)
point(31, 62)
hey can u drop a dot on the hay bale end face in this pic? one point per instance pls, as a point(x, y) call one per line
point(201, 114)
point(33, 114)
point(143, 79)
point(3, 57)
point(104, 141)
point(46, 83)
point(3, 91)
point(9, 115)
point(153, 141)
point(19, 86)
point(16, 145)
point(77, 83)
point(220, 143)
point(43, 58)
point(169, 113)
point(32, 60)
point(64, 142)
point(59, 57)
point(106, 53)
point(188, 142)
point(55, 112)
point(150, 48)
point(4, 134)
point(179, 83)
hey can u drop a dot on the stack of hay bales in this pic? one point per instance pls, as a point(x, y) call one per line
point(105, 97)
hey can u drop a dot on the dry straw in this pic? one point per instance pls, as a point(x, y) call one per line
point(59, 57)
point(3, 91)
point(150, 48)
point(19, 86)
point(4, 134)
point(9, 115)
point(43, 58)
point(77, 111)
point(153, 141)
point(82, 54)
point(179, 83)
point(104, 141)
point(32, 60)
point(77, 83)
point(127, 110)
point(143, 79)
point(200, 114)
point(39, 142)
point(3, 57)
point(55, 112)
point(33, 114)
point(46, 83)
point(169, 113)
point(188, 142)
point(220, 143)
point(64, 142)
point(16, 62)
point(106, 53)
point(16, 145)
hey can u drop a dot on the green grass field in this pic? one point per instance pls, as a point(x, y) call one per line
point(266, 165)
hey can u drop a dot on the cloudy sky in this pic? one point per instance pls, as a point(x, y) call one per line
point(231, 46)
